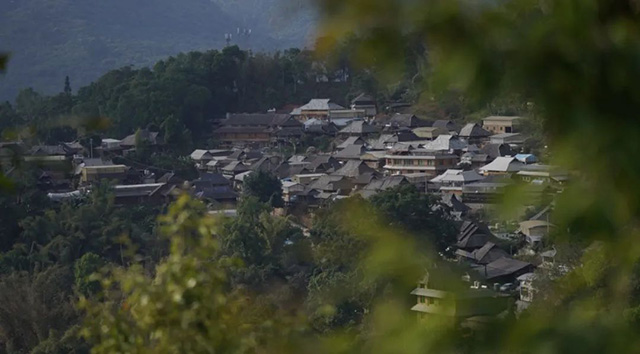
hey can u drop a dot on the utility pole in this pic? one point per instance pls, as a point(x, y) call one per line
point(91, 147)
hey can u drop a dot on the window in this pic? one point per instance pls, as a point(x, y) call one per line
point(508, 129)
point(430, 301)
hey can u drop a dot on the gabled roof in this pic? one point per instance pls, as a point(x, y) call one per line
point(475, 157)
point(293, 170)
point(504, 266)
point(457, 205)
point(236, 167)
point(295, 159)
point(214, 178)
point(352, 140)
point(496, 150)
point(429, 132)
point(488, 253)
point(473, 235)
point(266, 163)
point(447, 125)
point(359, 127)
point(502, 118)
point(503, 164)
point(217, 163)
point(216, 193)
point(320, 104)
point(145, 135)
point(527, 225)
point(350, 152)
point(452, 175)
point(48, 150)
point(199, 154)
point(322, 162)
point(353, 168)
point(367, 178)
point(329, 128)
point(445, 143)
point(170, 178)
point(407, 120)
point(325, 182)
point(386, 183)
point(362, 98)
point(408, 136)
point(473, 130)
point(383, 141)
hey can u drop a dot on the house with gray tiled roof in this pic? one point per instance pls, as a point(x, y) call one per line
point(365, 102)
point(260, 128)
point(358, 128)
point(474, 134)
point(318, 108)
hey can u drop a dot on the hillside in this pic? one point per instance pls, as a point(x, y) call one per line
point(291, 22)
point(49, 39)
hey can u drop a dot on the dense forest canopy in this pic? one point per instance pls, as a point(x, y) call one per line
point(196, 88)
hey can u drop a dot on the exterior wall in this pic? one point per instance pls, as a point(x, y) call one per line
point(526, 291)
point(91, 174)
point(370, 110)
point(375, 164)
point(495, 173)
point(419, 164)
point(498, 127)
point(306, 115)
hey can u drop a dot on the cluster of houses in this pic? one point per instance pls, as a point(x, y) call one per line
point(69, 170)
point(469, 165)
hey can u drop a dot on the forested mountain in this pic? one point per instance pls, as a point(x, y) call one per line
point(50, 39)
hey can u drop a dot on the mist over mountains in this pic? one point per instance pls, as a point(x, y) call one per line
point(50, 39)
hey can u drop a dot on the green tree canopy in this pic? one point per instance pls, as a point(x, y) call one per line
point(264, 186)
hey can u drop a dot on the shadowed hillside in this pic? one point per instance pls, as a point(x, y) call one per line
point(50, 39)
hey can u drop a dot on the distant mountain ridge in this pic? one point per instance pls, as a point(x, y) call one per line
point(50, 39)
point(292, 22)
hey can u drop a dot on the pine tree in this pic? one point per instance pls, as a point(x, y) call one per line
point(67, 86)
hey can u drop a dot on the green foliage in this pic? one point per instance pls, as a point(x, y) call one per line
point(264, 186)
point(176, 135)
point(572, 63)
point(422, 215)
point(271, 249)
point(34, 307)
point(83, 270)
point(181, 94)
point(186, 306)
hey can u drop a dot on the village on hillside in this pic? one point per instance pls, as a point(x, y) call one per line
point(322, 152)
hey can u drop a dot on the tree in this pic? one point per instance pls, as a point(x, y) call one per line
point(67, 86)
point(186, 306)
point(422, 215)
point(264, 186)
point(33, 307)
point(176, 135)
point(83, 270)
